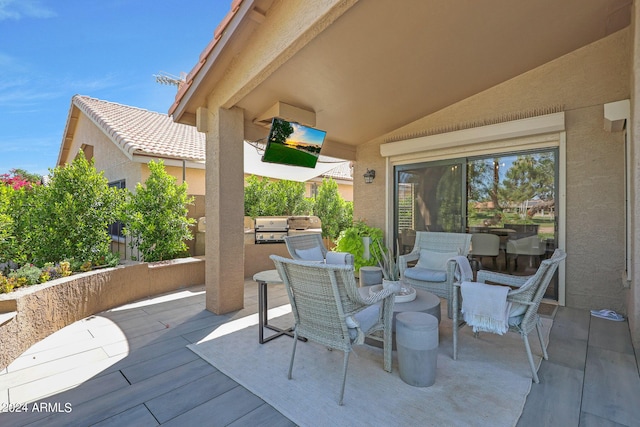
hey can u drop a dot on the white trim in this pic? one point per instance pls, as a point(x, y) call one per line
point(550, 123)
point(525, 134)
point(389, 202)
point(617, 115)
point(562, 218)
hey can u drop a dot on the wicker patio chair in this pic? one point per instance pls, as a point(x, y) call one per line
point(309, 247)
point(329, 310)
point(433, 273)
point(525, 299)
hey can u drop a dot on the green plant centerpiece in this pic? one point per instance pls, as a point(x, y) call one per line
point(388, 263)
point(351, 240)
point(390, 266)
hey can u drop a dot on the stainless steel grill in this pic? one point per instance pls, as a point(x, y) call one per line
point(271, 229)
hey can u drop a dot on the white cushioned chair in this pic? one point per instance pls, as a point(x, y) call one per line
point(432, 272)
point(525, 299)
point(309, 247)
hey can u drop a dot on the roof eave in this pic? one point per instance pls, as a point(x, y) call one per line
point(190, 94)
point(67, 135)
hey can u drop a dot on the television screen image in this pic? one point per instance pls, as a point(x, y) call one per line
point(293, 144)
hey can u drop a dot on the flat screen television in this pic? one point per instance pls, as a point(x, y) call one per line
point(290, 143)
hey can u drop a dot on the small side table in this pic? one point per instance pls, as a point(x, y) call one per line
point(264, 278)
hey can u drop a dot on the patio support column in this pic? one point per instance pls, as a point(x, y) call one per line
point(224, 276)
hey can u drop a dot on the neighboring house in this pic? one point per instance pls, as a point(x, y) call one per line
point(342, 175)
point(418, 90)
point(123, 139)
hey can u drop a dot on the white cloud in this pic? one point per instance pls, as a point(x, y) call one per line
point(18, 9)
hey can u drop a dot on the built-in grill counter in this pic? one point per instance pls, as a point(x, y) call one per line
point(273, 229)
point(264, 236)
point(304, 225)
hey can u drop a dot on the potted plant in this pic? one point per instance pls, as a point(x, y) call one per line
point(391, 273)
point(388, 263)
point(352, 240)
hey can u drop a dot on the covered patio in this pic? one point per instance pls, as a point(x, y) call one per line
point(396, 85)
point(130, 366)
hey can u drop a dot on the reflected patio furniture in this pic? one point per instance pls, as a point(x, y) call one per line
point(485, 245)
point(310, 247)
point(433, 273)
point(525, 300)
point(532, 246)
point(522, 230)
point(329, 310)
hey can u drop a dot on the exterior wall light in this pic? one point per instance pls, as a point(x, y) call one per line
point(369, 175)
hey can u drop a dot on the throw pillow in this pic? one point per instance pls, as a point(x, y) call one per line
point(311, 254)
point(434, 260)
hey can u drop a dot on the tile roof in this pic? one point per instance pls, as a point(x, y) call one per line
point(343, 171)
point(139, 131)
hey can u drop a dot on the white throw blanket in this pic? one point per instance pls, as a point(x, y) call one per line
point(463, 272)
point(485, 307)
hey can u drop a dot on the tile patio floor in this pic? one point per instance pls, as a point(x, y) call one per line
point(130, 367)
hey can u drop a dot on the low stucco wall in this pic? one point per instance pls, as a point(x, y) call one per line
point(256, 257)
point(43, 309)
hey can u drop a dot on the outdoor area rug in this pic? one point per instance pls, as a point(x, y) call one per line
point(487, 385)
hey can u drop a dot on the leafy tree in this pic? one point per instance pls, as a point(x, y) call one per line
point(263, 197)
point(484, 181)
point(280, 131)
point(255, 191)
point(330, 207)
point(15, 232)
point(7, 239)
point(68, 218)
point(156, 216)
point(530, 176)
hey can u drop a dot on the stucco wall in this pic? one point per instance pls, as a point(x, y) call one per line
point(581, 82)
point(108, 157)
point(195, 177)
point(44, 309)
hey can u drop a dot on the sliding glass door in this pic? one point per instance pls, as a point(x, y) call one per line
point(510, 195)
point(429, 197)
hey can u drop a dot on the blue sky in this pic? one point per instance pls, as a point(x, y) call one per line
point(51, 50)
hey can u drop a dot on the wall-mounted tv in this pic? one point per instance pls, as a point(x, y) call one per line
point(293, 144)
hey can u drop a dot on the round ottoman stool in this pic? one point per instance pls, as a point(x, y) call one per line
point(425, 302)
point(417, 342)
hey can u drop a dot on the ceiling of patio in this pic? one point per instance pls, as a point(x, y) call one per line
point(384, 63)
